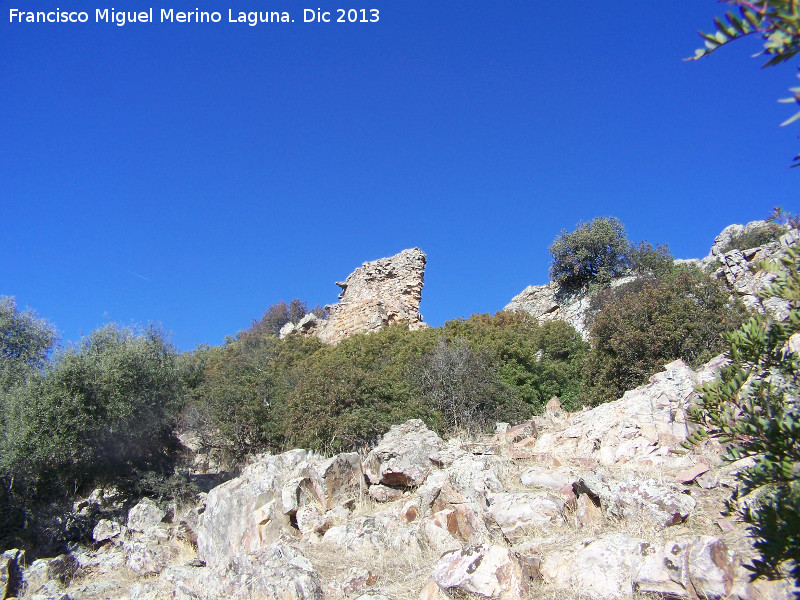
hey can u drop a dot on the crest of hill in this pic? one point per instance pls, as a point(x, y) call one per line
point(731, 266)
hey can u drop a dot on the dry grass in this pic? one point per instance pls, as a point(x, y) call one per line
point(399, 574)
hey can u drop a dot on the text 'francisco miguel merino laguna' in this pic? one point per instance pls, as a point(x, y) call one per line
point(169, 15)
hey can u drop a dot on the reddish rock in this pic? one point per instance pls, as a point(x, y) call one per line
point(520, 432)
point(689, 475)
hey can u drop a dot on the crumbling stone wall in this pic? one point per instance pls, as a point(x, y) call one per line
point(377, 294)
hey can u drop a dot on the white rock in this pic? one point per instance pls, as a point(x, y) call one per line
point(516, 513)
point(491, 571)
point(402, 458)
point(105, 530)
point(145, 515)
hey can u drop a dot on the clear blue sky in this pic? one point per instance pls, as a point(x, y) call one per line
point(195, 174)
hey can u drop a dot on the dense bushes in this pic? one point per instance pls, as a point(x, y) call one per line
point(640, 326)
point(537, 361)
point(259, 392)
point(101, 410)
point(104, 403)
point(236, 397)
point(462, 385)
point(346, 395)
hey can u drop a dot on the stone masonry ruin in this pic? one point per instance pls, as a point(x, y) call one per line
point(375, 295)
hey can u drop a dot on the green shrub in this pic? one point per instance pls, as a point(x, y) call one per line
point(758, 236)
point(463, 386)
point(595, 252)
point(236, 403)
point(537, 361)
point(754, 406)
point(639, 327)
point(599, 251)
point(277, 315)
point(645, 260)
point(109, 401)
point(347, 395)
point(25, 344)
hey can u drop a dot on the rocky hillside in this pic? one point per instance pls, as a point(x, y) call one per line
point(599, 504)
point(734, 268)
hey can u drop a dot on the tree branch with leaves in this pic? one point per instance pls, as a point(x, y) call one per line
point(777, 22)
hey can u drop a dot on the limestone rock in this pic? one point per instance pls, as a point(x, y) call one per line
point(587, 512)
point(518, 513)
point(11, 562)
point(515, 434)
point(551, 302)
point(341, 479)
point(711, 568)
point(375, 295)
point(664, 569)
point(49, 576)
point(641, 426)
point(246, 514)
point(374, 533)
point(604, 567)
point(543, 477)
point(382, 493)
point(402, 458)
point(442, 531)
point(355, 582)
point(150, 553)
point(490, 571)
point(736, 267)
point(635, 499)
point(105, 530)
point(275, 572)
point(145, 515)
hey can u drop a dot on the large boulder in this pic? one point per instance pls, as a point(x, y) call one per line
point(637, 500)
point(145, 515)
point(616, 566)
point(486, 570)
point(376, 533)
point(520, 514)
point(403, 456)
point(276, 572)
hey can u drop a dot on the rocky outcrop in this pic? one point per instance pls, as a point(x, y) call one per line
point(736, 268)
point(377, 294)
point(489, 571)
point(641, 427)
point(403, 458)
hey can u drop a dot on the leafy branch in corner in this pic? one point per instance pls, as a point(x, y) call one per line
point(777, 22)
